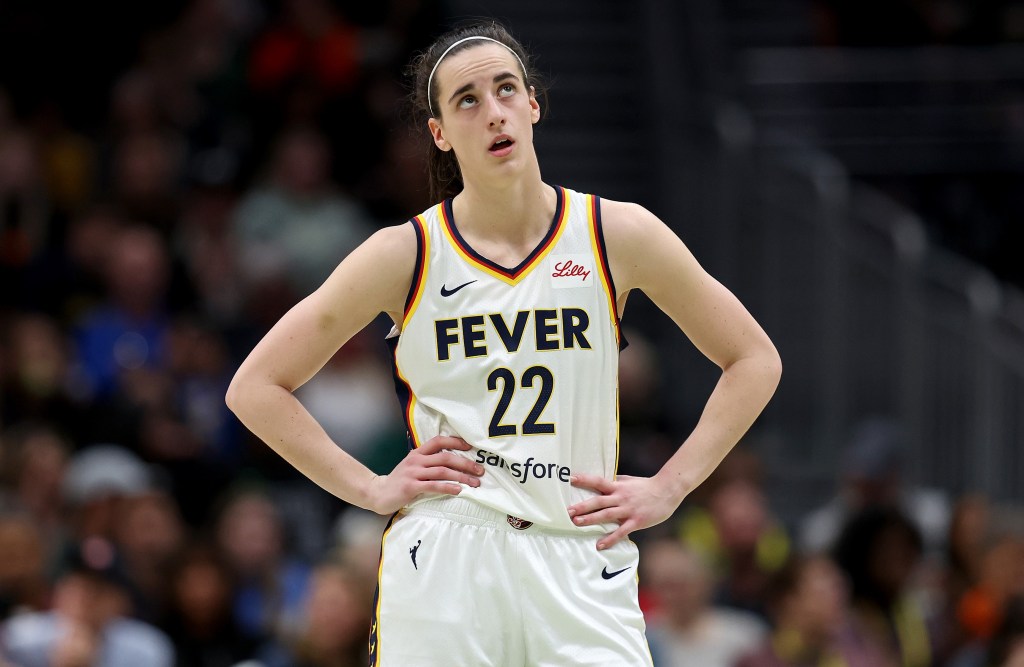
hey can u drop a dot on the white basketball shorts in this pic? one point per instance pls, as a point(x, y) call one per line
point(461, 585)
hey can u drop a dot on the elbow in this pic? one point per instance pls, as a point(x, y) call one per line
point(233, 398)
point(773, 367)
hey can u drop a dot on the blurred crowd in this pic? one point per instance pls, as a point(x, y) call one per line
point(237, 151)
point(885, 574)
point(242, 151)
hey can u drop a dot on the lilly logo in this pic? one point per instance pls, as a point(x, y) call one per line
point(572, 271)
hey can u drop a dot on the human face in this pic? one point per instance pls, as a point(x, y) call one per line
point(485, 112)
point(819, 602)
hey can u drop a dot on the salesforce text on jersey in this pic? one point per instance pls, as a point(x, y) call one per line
point(523, 471)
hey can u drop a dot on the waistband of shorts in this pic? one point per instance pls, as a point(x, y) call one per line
point(470, 512)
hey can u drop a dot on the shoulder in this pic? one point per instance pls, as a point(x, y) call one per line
point(23, 632)
point(396, 241)
point(741, 628)
point(393, 248)
point(626, 224)
point(144, 643)
point(638, 244)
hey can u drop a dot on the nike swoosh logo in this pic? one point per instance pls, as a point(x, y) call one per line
point(605, 574)
point(449, 292)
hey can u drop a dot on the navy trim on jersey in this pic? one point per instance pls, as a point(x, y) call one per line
point(403, 390)
point(510, 273)
point(623, 343)
point(417, 268)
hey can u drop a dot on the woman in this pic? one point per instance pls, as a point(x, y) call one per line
point(810, 610)
point(508, 546)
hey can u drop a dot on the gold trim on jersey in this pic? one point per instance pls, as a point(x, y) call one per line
point(538, 255)
point(374, 640)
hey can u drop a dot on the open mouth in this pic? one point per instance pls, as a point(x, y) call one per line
point(501, 144)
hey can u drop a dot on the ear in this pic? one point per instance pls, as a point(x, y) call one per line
point(534, 106)
point(437, 132)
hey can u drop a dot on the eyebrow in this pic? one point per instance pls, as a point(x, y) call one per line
point(498, 78)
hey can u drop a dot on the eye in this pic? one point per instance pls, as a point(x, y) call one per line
point(467, 102)
point(506, 90)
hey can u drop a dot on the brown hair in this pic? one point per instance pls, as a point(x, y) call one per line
point(442, 166)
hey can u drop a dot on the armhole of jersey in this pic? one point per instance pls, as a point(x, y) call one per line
point(419, 274)
point(406, 397)
point(606, 272)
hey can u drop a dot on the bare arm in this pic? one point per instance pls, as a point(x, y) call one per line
point(375, 278)
point(645, 254)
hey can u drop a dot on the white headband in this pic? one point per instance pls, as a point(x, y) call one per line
point(430, 78)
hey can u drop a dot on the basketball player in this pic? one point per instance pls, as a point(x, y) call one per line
point(508, 541)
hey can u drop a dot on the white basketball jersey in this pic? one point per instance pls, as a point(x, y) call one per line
point(522, 363)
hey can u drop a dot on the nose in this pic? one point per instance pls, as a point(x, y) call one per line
point(495, 111)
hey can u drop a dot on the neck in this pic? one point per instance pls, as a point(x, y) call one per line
point(516, 209)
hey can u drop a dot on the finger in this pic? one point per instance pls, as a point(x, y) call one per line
point(440, 487)
point(441, 442)
point(439, 473)
point(455, 462)
point(614, 537)
point(607, 515)
point(591, 505)
point(595, 482)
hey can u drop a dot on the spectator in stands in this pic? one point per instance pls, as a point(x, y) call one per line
point(311, 45)
point(125, 339)
point(872, 476)
point(642, 415)
point(272, 586)
point(39, 458)
point(23, 584)
point(203, 236)
point(37, 385)
point(1006, 646)
point(969, 529)
point(357, 534)
point(69, 161)
point(984, 605)
point(96, 484)
point(294, 228)
point(26, 222)
point(304, 69)
point(146, 169)
point(358, 378)
point(134, 104)
point(740, 538)
point(149, 536)
point(88, 244)
point(879, 550)
point(89, 624)
point(201, 369)
point(810, 610)
point(201, 623)
point(334, 626)
point(683, 629)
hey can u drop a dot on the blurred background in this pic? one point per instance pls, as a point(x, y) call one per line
point(174, 175)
